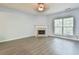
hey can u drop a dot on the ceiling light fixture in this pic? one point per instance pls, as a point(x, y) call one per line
point(40, 7)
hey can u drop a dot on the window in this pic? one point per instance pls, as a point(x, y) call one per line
point(68, 26)
point(64, 26)
point(58, 26)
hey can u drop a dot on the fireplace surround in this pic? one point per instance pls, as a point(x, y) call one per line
point(40, 30)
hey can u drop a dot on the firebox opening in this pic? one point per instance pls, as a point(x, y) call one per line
point(41, 32)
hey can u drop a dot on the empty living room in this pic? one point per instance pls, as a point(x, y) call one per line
point(39, 28)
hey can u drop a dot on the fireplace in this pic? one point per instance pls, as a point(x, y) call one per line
point(41, 32)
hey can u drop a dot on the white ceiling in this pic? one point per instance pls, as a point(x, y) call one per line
point(52, 7)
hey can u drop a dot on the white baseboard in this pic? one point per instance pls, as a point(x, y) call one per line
point(15, 38)
point(34, 36)
point(67, 38)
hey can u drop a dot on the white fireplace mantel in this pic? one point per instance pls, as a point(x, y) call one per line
point(40, 27)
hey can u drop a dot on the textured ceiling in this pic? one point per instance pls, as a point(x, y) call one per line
point(28, 7)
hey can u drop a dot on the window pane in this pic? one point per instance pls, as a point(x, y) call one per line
point(58, 30)
point(68, 21)
point(58, 22)
point(68, 31)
